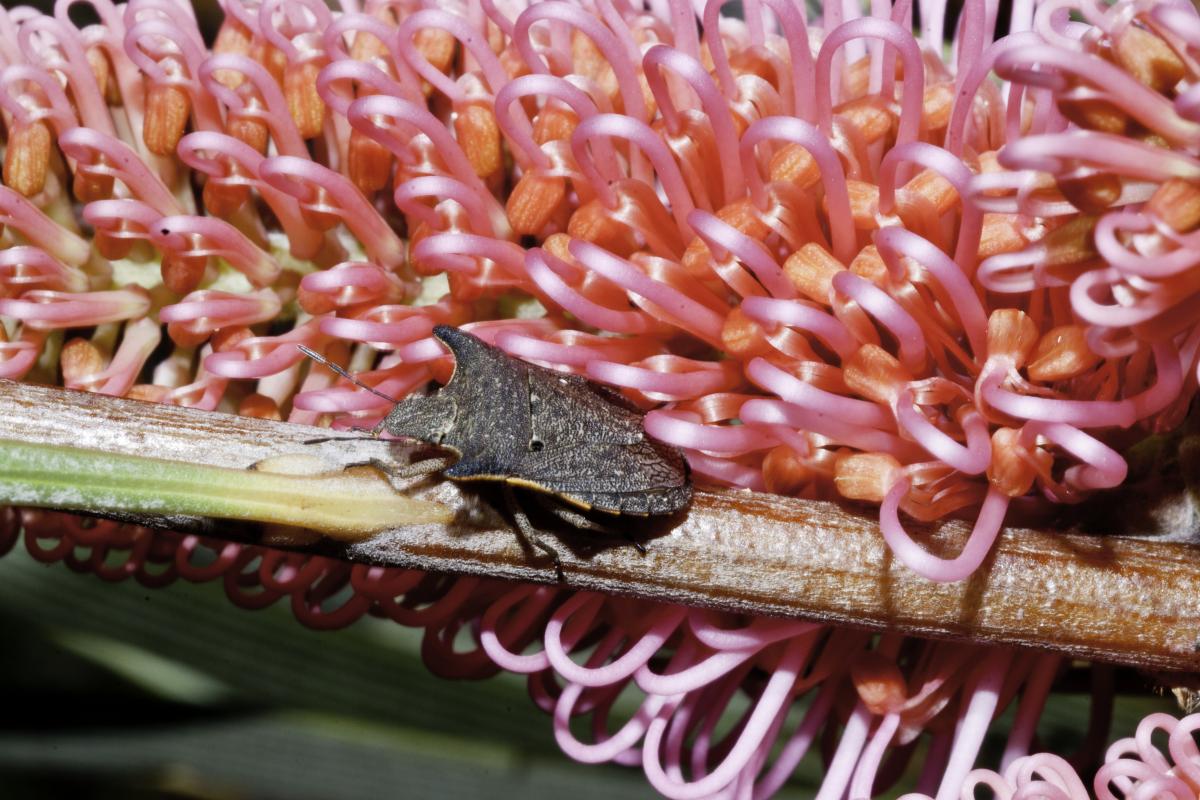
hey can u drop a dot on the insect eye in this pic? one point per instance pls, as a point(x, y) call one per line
point(536, 445)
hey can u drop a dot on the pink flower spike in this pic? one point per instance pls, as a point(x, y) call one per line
point(979, 705)
point(948, 167)
point(23, 268)
point(320, 190)
point(378, 117)
point(833, 177)
point(574, 17)
point(685, 430)
point(138, 342)
point(261, 356)
point(723, 472)
point(48, 102)
point(970, 459)
point(202, 313)
point(943, 570)
point(876, 302)
point(352, 283)
point(727, 242)
point(20, 356)
point(968, 84)
point(895, 243)
point(793, 390)
point(411, 197)
point(806, 317)
point(533, 601)
point(121, 222)
point(1059, 153)
point(340, 83)
point(170, 54)
point(382, 327)
point(796, 417)
point(551, 284)
point(49, 44)
point(648, 143)
point(1083, 413)
point(716, 110)
point(208, 237)
point(516, 126)
point(912, 94)
point(231, 162)
point(295, 27)
point(1102, 467)
point(258, 98)
point(664, 301)
point(572, 350)
point(770, 703)
point(41, 231)
point(472, 41)
point(46, 310)
point(359, 25)
point(668, 378)
point(99, 154)
point(1045, 65)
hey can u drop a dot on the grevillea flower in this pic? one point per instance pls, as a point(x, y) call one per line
point(829, 261)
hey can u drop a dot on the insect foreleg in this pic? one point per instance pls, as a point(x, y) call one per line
point(530, 533)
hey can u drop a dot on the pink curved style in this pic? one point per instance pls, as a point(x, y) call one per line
point(939, 274)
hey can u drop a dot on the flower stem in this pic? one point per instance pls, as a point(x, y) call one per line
point(347, 506)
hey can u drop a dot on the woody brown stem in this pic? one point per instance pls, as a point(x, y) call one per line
point(1114, 599)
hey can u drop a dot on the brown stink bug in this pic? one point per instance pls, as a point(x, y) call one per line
point(525, 426)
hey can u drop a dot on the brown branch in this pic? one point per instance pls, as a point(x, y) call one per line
point(1114, 599)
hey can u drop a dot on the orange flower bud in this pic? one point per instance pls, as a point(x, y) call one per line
point(182, 274)
point(304, 103)
point(79, 359)
point(794, 163)
point(1148, 58)
point(1061, 354)
point(784, 473)
point(879, 682)
point(811, 270)
point(592, 222)
point(1001, 234)
point(869, 264)
point(742, 337)
point(554, 123)
point(534, 201)
point(478, 134)
point(1014, 469)
point(1177, 203)
point(864, 204)
point(167, 111)
point(865, 476)
point(368, 163)
point(1011, 333)
point(260, 406)
point(27, 158)
point(875, 374)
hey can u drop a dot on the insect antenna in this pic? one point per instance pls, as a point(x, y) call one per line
point(323, 360)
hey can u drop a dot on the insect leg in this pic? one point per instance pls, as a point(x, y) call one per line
point(425, 466)
point(577, 520)
point(530, 533)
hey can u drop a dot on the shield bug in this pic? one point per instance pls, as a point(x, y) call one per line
point(524, 426)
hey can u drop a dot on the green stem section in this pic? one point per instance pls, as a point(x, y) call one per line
point(345, 505)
